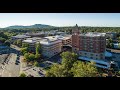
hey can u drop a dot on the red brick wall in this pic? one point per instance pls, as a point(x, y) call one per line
point(75, 41)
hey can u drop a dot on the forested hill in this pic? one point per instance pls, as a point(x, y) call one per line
point(84, 29)
point(31, 26)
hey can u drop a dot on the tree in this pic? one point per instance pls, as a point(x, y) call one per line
point(68, 59)
point(25, 45)
point(26, 56)
point(37, 56)
point(22, 75)
point(24, 50)
point(2, 40)
point(81, 69)
point(56, 70)
point(110, 43)
point(119, 39)
point(19, 43)
point(31, 57)
point(119, 45)
point(7, 43)
point(36, 64)
point(63, 69)
point(38, 48)
point(15, 42)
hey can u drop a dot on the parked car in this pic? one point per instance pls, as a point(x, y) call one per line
point(16, 63)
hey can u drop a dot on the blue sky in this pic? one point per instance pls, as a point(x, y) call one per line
point(60, 19)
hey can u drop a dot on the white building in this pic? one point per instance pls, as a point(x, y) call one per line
point(66, 40)
point(50, 45)
point(21, 37)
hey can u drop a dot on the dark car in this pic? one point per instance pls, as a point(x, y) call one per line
point(16, 63)
point(41, 74)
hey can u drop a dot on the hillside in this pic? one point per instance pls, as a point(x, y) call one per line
point(31, 26)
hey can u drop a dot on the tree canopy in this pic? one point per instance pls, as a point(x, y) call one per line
point(71, 67)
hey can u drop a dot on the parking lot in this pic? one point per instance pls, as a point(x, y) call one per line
point(34, 71)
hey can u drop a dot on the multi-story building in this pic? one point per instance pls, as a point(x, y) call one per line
point(66, 40)
point(21, 37)
point(32, 43)
point(91, 45)
point(112, 35)
point(50, 45)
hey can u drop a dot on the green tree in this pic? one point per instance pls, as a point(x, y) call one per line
point(119, 39)
point(37, 56)
point(63, 69)
point(38, 48)
point(31, 57)
point(2, 39)
point(19, 43)
point(81, 69)
point(68, 59)
point(36, 64)
point(25, 45)
point(7, 43)
point(56, 70)
point(119, 45)
point(26, 56)
point(24, 50)
point(15, 42)
point(22, 75)
point(110, 43)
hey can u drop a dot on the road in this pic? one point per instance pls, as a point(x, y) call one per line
point(10, 69)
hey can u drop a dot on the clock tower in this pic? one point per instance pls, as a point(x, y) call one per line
point(75, 39)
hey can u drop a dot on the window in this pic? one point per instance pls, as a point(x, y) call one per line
point(91, 54)
point(91, 57)
point(102, 64)
point(101, 55)
point(80, 53)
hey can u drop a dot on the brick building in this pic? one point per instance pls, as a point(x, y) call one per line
point(91, 45)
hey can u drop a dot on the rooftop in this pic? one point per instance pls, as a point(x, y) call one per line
point(49, 40)
point(21, 36)
point(63, 37)
point(29, 41)
point(93, 34)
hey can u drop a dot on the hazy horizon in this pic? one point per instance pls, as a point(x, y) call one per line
point(61, 19)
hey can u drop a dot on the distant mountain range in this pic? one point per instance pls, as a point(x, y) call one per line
point(31, 26)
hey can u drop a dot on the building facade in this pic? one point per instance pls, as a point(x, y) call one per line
point(66, 40)
point(20, 37)
point(112, 35)
point(51, 46)
point(76, 39)
point(91, 45)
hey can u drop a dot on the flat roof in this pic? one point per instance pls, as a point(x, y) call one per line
point(21, 36)
point(51, 38)
point(93, 34)
point(63, 37)
point(96, 61)
point(29, 41)
point(47, 42)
